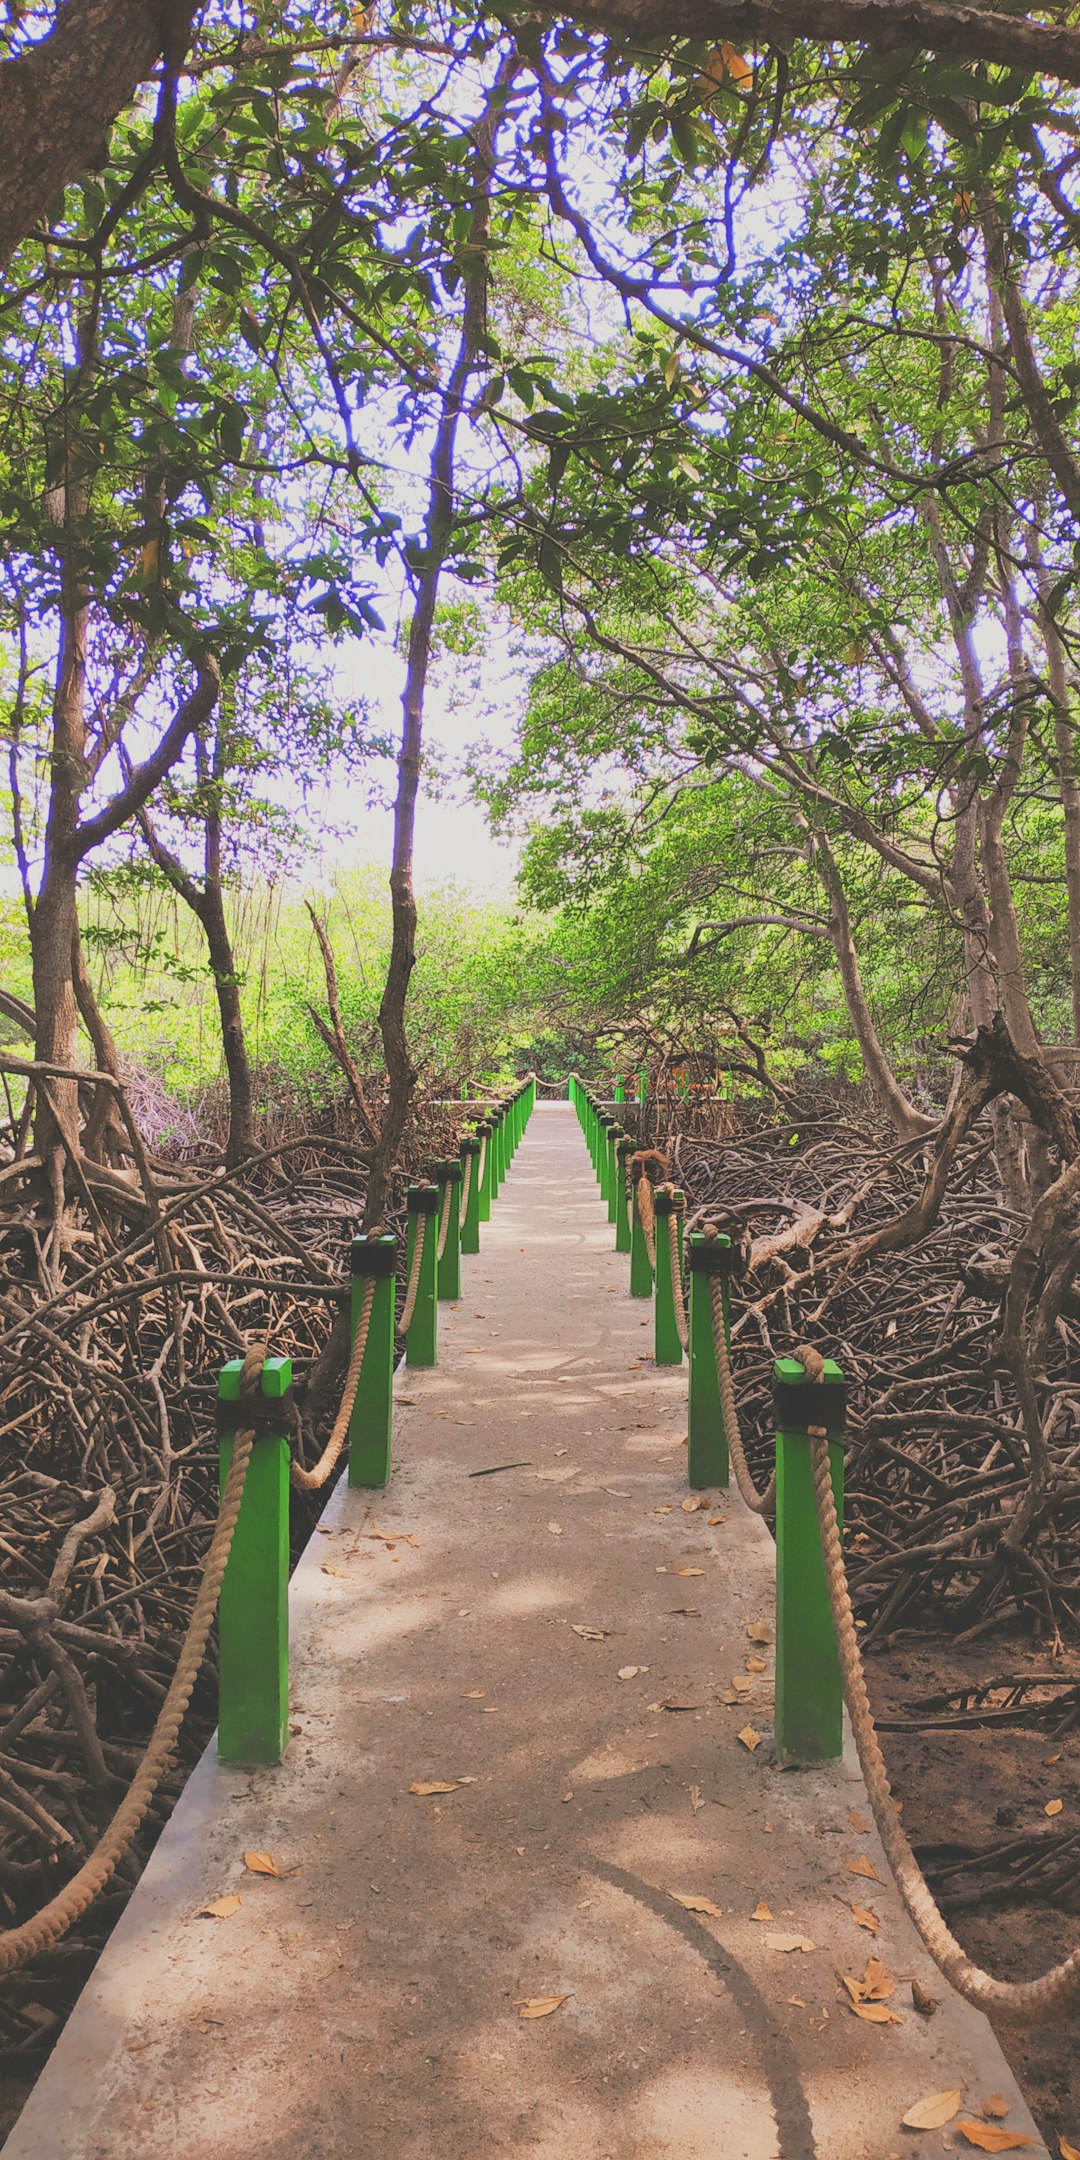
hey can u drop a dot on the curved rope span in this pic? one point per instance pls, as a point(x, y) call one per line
point(444, 1217)
point(1027, 1999)
point(311, 1480)
point(760, 1503)
point(54, 1919)
point(466, 1181)
point(413, 1284)
point(646, 1215)
point(682, 1323)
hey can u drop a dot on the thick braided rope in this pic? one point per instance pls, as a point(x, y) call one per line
point(466, 1181)
point(483, 1159)
point(413, 1285)
point(47, 1926)
point(311, 1480)
point(761, 1503)
point(646, 1215)
point(1027, 1999)
point(444, 1217)
point(682, 1323)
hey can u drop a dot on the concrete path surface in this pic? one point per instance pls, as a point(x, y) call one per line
point(577, 1656)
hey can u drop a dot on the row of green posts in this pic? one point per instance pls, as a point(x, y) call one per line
point(809, 1694)
point(253, 1613)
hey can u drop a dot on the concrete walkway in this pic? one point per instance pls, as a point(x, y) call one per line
point(577, 1656)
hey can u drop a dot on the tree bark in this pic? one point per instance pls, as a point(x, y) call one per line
point(60, 97)
point(907, 1121)
point(438, 535)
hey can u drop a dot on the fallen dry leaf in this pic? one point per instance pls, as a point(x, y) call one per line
point(759, 1631)
point(536, 2006)
point(223, 1908)
point(690, 1507)
point(789, 1942)
point(876, 2013)
point(761, 1911)
point(630, 1672)
point(712, 1520)
point(864, 1917)
point(750, 1739)
point(413, 1540)
point(328, 1570)
point(863, 1866)
point(385, 1537)
point(674, 1702)
point(934, 2112)
point(996, 2105)
point(260, 1863)
point(1050, 1760)
point(685, 1612)
point(436, 1785)
point(989, 2138)
point(696, 1800)
point(588, 1634)
point(1067, 2151)
point(697, 1904)
point(1053, 1807)
point(756, 1664)
point(667, 1509)
point(877, 1984)
point(555, 1529)
point(859, 1821)
point(689, 1571)
point(925, 2004)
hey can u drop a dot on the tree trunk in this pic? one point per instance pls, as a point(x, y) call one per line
point(907, 1121)
point(54, 923)
point(438, 534)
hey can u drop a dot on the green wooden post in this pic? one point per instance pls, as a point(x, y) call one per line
point(624, 1148)
point(486, 1160)
point(707, 1456)
point(253, 1610)
point(603, 1155)
point(370, 1426)
point(470, 1228)
point(449, 1267)
point(498, 1135)
point(809, 1692)
point(669, 1349)
point(614, 1135)
point(422, 1202)
point(641, 1271)
point(620, 1091)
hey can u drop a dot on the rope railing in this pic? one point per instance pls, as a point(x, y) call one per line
point(760, 1503)
point(444, 1220)
point(682, 1318)
point(46, 1927)
point(643, 1201)
point(1022, 1999)
point(466, 1187)
point(319, 1475)
point(412, 1287)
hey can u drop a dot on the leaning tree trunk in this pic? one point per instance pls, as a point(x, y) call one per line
point(907, 1121)
point(438, 534)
